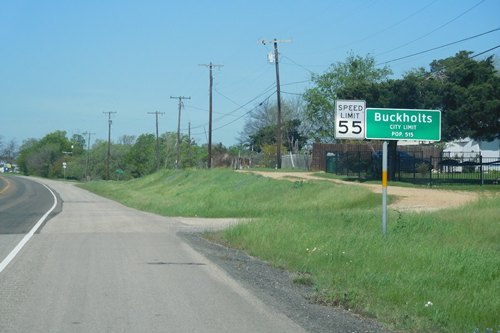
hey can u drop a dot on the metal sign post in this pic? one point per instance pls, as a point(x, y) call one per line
point(399, 124)
point(384, 188)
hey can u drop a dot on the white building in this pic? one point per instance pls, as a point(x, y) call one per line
point(487, 149)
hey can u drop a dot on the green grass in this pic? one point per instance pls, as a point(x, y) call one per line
point(223, 193)
point(331, 236)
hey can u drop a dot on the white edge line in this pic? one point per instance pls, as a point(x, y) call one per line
point(28, 236)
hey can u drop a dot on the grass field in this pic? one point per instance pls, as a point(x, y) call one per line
point(434, 272)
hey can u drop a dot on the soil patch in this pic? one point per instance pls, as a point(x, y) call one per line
point(408, 199)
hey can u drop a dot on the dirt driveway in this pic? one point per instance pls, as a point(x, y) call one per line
point(408, 199)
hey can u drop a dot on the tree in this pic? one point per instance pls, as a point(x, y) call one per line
point(78, 144)
point(126, 140)
point(466, 91)
point(260, 127)
point(9, 151)
point(39, 157)
point(141, 158)
point(470, 96)
point(341, 81)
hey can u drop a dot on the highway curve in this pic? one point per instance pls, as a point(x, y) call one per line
point(22, 203)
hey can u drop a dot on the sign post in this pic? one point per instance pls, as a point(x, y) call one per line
point(400, 124)
point(384, 188)
point(350, 119)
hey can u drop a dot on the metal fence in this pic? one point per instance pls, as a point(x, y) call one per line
point(261, 160)
point(465, 168)
point(415, 168)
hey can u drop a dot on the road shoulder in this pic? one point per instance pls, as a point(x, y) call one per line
point(275, 287)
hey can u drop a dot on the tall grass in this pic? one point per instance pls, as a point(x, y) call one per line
point(434, 272)
point(223, 193)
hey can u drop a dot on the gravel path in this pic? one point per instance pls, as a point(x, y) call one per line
point(408, 198)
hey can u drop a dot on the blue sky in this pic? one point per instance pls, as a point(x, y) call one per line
point(63, 63)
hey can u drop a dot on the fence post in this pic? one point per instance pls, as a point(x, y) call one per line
point(481, 169)
point(414, 168)
point(430, 171)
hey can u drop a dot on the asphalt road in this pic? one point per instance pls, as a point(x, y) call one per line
point(22, 202)
point(98, 266)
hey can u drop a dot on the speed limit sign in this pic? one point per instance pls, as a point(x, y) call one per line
point(350, 119)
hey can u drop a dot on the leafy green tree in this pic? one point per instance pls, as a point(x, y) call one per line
point(168, 150)
point(42, 162)
point(470, 96)
point(78, 144)
point(141, 158)
point(39, 157)
point(294, 138)
point(467, 92)
point(264, 136)
point(344, 80)
point(98, 159)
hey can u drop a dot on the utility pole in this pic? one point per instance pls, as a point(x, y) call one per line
point(189, 145)
point(278, 94)
point(211, 79)
point(88, 155)
point(109, 142)
point(157, 140)
point(178, 159)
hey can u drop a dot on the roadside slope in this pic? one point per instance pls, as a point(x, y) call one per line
point(408, 199)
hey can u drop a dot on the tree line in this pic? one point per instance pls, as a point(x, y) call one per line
point(56, 156)
point(466, 90)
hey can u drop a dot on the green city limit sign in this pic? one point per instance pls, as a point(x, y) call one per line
point(401, 124)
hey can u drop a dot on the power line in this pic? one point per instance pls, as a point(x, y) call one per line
point(269, 88)
point(367, 37)
point(297, 64)
point(291, 93)
point(391, 26)
point(438, 47)
point(243, 106)
point(476, 55)
point(296, 82)
point(224, 115)
point(195, 107)
point(432, 31)
point(246, 113)
point(243, 115)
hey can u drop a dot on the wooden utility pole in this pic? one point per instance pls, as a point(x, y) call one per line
point(211, 79)
point(88, 156)
point(189, 145)
point(278, 95)
point(178, 159)
point(109, 143)
point(157, 140)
